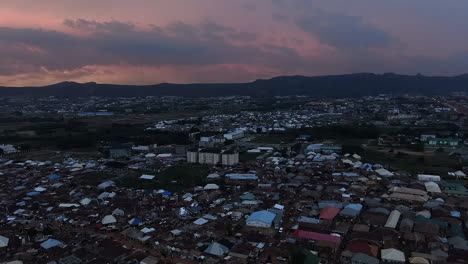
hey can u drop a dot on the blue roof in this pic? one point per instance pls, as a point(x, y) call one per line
point(366, 166)
point(234, 176)
point(167, 193)
point(325, 203)
point(50, 243)
point(455, 213)
point(262, 216)
point(356, 207)
point(137, 221)
point(32, 193)
point(53, 177)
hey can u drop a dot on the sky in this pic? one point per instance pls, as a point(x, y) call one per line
point(153, 41)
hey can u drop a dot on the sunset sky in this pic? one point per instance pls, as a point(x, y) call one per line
point(152, 41)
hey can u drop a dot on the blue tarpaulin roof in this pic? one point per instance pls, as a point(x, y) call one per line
point(53, 177)
point(32, 193)
point(136, 221)
point(167, 193)
point(350, 174)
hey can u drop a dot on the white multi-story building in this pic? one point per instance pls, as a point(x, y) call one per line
point(213, 157)
point(192, 156)
point(234, 135)
point(230, 158)
point(209, 157)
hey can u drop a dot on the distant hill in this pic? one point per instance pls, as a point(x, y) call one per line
point(350, 85)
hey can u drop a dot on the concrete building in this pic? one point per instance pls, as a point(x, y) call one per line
point(209, 156)
point(230, 158)
point(118, 152)
point(213, 156)
point(234, 135)
point(192, 156)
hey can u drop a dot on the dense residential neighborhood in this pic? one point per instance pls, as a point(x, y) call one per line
point(362, 180)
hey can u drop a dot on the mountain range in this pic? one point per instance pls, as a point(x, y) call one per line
point(337, 86)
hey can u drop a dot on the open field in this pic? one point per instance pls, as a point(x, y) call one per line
point(174, 179)
point(434, 164)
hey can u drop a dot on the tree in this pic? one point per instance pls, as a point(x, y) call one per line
point(47, 231)
point(31, 233)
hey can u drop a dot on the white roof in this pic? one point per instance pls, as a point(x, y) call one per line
point(147, 177)
point(393, 255)
point(392, 219)
point(106, 184)
point(213, 176)
point(432, 187)
point(109, 219)
point(200, 221)
point(216, 249)
point(164, 155)
point(428, 177)
point(4, 241)
point(78, 165)
point(85, 201)
point(118, 211)
point(384, 172)
point(39, 189)
point(279, 206)
point(147, 230)
point(68, 205)
point(424, 213)
point(211, 186)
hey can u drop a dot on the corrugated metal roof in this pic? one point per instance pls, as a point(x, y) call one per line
point(432, 187)
point(329, 212)
point(262, 216)
point(392, 219)
point(317, 236)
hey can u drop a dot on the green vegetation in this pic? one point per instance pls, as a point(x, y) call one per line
point(336, 132)
point(174, 179)
point(303, 256)
point(275, 138)
point(78, 134)
point(437, 164)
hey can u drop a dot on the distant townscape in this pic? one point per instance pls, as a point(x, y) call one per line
point(333, 86)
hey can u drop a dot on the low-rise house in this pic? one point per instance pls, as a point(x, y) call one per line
point(261, 219)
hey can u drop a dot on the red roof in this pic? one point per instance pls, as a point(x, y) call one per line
point(317, 236)
point(359, 246)
point(329, 212)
